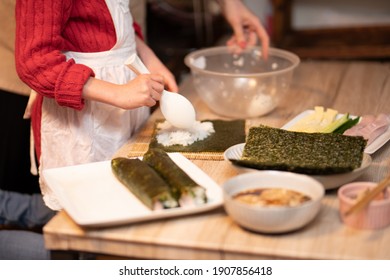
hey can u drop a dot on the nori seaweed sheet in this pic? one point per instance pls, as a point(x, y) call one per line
point(301, 152)
point(227, 134)
point(143, 181)
point(177, 179)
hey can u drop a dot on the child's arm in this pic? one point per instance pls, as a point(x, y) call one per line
point(154, 65)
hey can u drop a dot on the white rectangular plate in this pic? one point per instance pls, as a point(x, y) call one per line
point(92, 196)
point(370, 149)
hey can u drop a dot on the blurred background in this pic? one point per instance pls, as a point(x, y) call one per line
point(313, 29)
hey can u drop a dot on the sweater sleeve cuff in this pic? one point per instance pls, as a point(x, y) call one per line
point(138, 30)
point(70, 84)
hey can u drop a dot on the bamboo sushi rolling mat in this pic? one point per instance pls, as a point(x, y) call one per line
point(139, 145)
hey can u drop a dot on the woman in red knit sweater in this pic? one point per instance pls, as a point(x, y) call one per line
point(73, 53)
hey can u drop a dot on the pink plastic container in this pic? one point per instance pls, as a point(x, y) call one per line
point(375, 216)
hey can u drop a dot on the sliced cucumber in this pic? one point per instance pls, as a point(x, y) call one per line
point(336, 124)
point(350, 123)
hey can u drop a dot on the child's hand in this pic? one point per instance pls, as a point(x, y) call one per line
point(156, 66)
point(144, 90)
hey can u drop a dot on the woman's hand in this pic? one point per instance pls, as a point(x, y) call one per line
point(246, 26)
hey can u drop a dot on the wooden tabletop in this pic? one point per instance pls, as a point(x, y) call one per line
point(348, 86)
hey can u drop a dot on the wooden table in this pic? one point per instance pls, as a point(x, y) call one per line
point(355, 87)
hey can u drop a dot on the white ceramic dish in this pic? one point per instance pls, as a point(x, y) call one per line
point(328, 181)
point(92, 195)
point(370, 149)
point(268, 219)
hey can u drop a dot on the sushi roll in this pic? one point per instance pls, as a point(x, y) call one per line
point(144, 182)
point(184, 189)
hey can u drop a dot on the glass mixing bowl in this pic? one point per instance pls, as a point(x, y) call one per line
point(241, 85)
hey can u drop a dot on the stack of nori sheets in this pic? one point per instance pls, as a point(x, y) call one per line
point(300, 152)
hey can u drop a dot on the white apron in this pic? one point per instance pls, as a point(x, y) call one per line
point(71, 137)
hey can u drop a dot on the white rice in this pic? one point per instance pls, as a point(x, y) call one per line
point(167, 135)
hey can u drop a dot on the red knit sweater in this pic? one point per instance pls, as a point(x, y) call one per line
point(46, 28)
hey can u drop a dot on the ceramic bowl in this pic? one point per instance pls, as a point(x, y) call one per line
point(243, 85)
point(375, 216)
point(275, 219)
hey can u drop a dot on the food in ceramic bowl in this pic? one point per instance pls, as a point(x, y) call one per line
point(375, 216)
point(243, 85)
point(272, 201)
